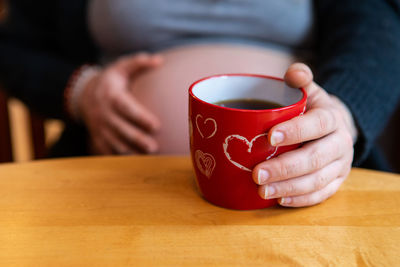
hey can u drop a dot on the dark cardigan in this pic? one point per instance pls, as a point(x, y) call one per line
point(357, 59)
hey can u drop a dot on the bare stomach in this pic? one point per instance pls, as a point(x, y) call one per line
point(164, 90)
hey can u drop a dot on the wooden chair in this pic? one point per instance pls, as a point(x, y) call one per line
point(37, 134)
point(6, 154)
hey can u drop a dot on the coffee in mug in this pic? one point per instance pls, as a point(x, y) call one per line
point(248, 103)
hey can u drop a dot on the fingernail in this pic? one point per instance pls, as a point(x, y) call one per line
point(277, 138)
point(285, 200)
point(269, 192)
point(300, 67)
point(263, 176)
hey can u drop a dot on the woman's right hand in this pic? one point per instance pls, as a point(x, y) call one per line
point(116, 121)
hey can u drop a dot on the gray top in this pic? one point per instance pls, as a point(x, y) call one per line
point(120, 26)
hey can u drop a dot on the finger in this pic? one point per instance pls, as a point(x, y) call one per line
point(298, 75)
point(305, 184)
point(132, 134)
point(128, 107)
point(314, 124)
point(307, 159)
point(129, 65)
point(118, 145)
point(313, 198)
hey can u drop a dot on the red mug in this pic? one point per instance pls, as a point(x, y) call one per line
point(227, 143)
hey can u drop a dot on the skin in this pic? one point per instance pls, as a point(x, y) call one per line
point(312, 173)
point(116, 121)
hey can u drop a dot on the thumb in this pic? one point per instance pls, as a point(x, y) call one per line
point(298, 75)
point(129, 65)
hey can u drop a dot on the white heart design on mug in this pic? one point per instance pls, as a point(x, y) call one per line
point(204, 122)
point(205, 163)
point(249, 144)
point(302, 112)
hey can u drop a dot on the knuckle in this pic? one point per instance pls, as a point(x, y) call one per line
point(297, 132)
point(315, 159)
point(283, 170)
point(295, 168)
point(293, 131)
point(286, 169)
point(320, 181)
point(326, 120)
point(288, 189)
point(321, 121)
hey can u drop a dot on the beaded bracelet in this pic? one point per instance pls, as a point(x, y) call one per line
point(74, 89)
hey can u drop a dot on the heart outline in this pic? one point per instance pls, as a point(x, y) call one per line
point(304, 110)
point(249, 144)
point(208, 119)
point(200, 155)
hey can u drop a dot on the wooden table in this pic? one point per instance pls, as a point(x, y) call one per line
point(119, 211)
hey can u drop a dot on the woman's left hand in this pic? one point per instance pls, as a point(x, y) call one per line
point(313, 172)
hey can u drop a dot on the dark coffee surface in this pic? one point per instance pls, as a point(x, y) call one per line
point(251, 104)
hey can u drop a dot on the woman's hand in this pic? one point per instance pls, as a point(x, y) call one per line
point(116, 121)
point(313, 172)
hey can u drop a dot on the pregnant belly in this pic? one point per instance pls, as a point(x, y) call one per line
point(164, 90)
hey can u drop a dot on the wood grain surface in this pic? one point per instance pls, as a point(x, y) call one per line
point(146, 211)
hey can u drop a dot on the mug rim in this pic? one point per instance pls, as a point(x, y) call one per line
point(300, 102)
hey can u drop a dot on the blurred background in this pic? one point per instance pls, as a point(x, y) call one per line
point(25, 128)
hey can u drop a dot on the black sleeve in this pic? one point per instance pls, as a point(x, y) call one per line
point(33, 65)
point(358, 60)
